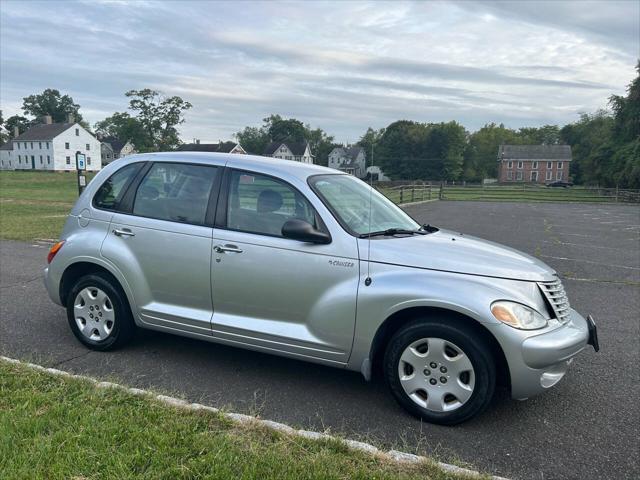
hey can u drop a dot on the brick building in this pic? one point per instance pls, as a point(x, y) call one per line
point(534, 163)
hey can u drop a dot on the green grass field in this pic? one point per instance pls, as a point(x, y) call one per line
point(35, 204)
point(64, 428)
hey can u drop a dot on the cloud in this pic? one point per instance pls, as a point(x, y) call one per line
point(343, 66)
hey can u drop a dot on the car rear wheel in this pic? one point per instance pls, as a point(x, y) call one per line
point(440, 372)
point(98, 313)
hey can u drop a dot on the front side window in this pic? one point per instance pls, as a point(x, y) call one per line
point(520, 164)
point(509, 175)
point(351, 200)
point(519, 176)
point(559, 165)
point(549, 175)
point(261, 204)
point(509, 164)
point(549, 165)
point(110, 193)
point(175, 192)
point(66, 145)
point(559, 176)
point(534, 166)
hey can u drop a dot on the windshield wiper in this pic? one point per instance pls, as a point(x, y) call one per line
point(393, 231)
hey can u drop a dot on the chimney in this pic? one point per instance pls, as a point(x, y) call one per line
point(197, 141)
point(46, 119)
point(70, 118)
point(16, 132)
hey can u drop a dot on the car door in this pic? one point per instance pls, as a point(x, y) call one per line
point(162, 245)
point(276, 293)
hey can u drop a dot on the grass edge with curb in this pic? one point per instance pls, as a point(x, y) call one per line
point(366, 448)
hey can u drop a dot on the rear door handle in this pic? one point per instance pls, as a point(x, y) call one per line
point(227, 248)
point(123, 232)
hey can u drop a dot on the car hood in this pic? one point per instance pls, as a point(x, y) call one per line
point(460, 253)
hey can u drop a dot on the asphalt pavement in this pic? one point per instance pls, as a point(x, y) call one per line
point(586, 427)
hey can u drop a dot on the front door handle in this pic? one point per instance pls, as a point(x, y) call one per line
point(123, 233)
point(227, 248)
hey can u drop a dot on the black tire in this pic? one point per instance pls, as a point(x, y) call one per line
point(473, 346)
point(123, 326)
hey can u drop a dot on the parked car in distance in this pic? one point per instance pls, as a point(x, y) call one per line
point(560, 184)
point(310, 263)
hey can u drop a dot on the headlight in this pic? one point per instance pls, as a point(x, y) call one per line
point(518, 316)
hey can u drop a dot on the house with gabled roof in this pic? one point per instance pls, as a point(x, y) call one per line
point(220, 147)
point(299, 152)
point(112, 148)
point(541, 164)
point(53, 147)
point(350, 159)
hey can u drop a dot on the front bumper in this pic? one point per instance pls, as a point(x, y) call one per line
point(538, 362)
point(52, 284)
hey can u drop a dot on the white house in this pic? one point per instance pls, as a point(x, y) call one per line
point(299, 152)
point(6, 156)
point(112, 148)
point(52, 146)
point(349, 159)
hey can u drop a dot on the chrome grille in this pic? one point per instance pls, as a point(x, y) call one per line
point(557, 297)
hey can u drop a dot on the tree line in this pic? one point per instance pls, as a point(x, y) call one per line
point(605, 144)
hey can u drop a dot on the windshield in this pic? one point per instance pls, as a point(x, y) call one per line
point(348, 199)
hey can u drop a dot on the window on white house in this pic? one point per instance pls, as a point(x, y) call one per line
point(549, 175)
point(88, 146)
point(18, 144)
point(520, 164)
point(19, 158)
point(47, 145)
point(534, 176)
point(48, 159)
point(66, 145)
point(77, 132)
point(560, 165)
point(534, 166)
point(25, 145)
point(68, 160)
point(518, 175)
point(40, 159)
point(549, 165)
point(509, 175)
point(88, 160)
point(31, 144)
point(558, 175)
point(39, 144)
point(509, 164)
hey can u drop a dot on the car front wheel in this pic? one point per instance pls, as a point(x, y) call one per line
point(440, 372)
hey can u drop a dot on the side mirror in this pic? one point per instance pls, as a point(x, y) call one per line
point(304, 231)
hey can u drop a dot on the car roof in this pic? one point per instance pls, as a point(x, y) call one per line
point(272, 166)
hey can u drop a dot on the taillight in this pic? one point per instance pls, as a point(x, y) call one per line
point(55, 249)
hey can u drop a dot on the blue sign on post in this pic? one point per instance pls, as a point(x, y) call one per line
point(80, 161)
point(81, 166)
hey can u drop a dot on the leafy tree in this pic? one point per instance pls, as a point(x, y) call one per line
point(51, 102)
point(159, 116)
point(19, 121)
point(320, 143)
point(126, 128)
point(368, 141)
point(253, 139)
point(545, 135)
point(481, 154)
point(285, 130)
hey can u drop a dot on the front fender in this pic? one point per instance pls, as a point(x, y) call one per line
point(396, 288)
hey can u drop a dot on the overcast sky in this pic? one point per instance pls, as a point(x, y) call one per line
point(342, 66)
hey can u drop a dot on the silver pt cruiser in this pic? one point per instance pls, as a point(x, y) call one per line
point(307, 262)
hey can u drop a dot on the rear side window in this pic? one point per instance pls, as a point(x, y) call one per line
point(111, 192)
point(261, 204)
point(176, 192)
